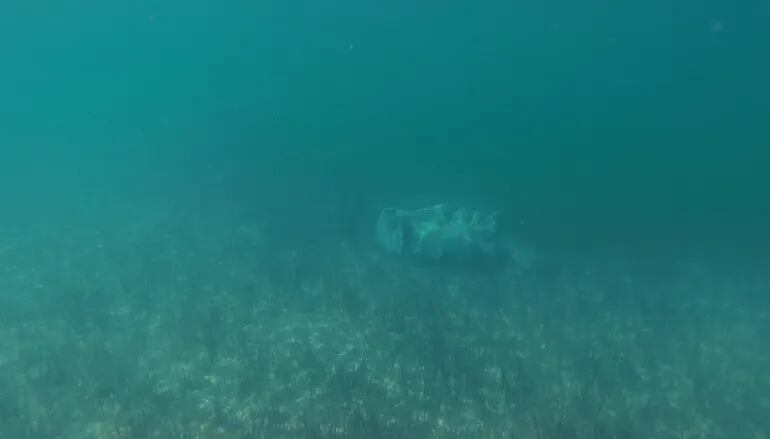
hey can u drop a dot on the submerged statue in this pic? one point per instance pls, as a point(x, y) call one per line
point(439, 233)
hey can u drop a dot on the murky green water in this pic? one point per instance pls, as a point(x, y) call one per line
point(188, 192)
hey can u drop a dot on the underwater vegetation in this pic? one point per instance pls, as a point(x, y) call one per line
point(175, 326)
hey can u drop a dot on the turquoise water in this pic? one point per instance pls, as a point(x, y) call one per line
point(604, 113)
point(160, 156)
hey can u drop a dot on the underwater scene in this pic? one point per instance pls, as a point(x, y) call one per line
point(403, 219)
